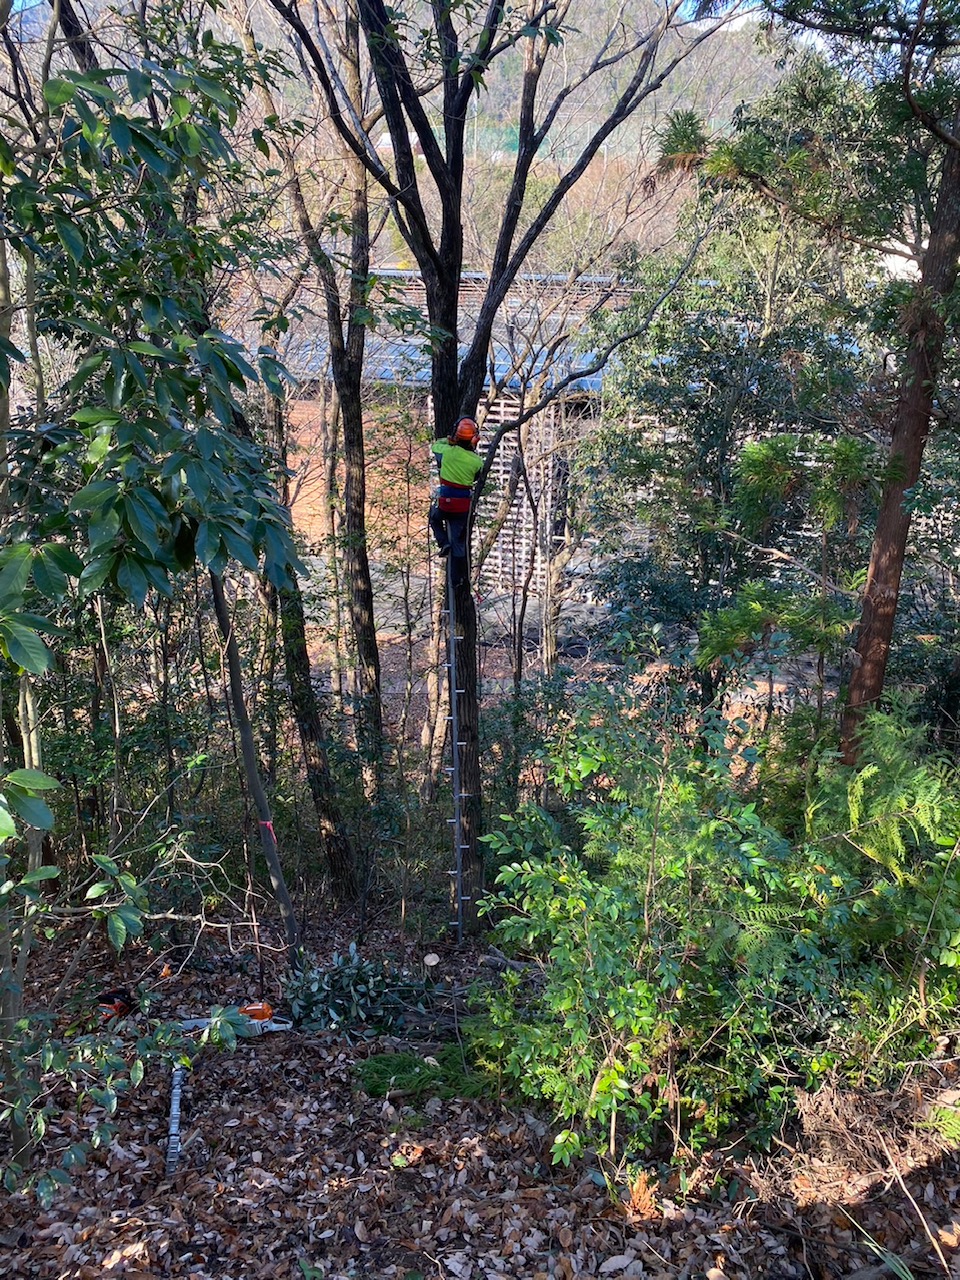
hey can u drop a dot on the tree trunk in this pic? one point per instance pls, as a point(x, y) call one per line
point(268, 839)
point(432, 735)
point(468, 723)
point(921, 370)
point(360, 595)
point(303, 699)
point(304, 703)
point(346, 328)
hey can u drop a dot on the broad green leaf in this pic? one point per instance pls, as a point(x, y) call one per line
point(215, 92)
point(136, 368)
point(154, 153)
point(239, 547)
point(24, 647)
point(33, 780)
point(98, 890)
point(57, 92)
point(94, 415)
point(36, 622)
point(11, 352)
point(91, 326)
point(105, 864)
point(190, 139)
point(40, 874)
point(139, 84)
point(50, 580)
point(99, 447)
point(14, 575)
point(146, 517)
point(94, 495)
point(207, 542)
point(243, 370)
point(198, 480)
point(276, 554)
point(86, 368)
point(132, 580)
point(116, 930)
point(120, 133)
point(102, 530)
point(8, 828)
point(95, 574)
point(150, 349)
point(70, 236)
point(180, 107)
point(132, 919)
point(221, 404)
point(158, 577)
point(30, 808)
point(150, 310)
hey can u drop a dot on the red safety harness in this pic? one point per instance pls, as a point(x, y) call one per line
point(453, 499)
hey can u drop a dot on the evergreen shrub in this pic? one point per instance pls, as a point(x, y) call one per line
point(689, 965)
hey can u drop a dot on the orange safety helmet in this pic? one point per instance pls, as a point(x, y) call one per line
point(466, 432)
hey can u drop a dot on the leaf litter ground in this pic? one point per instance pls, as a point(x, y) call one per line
point(289, 1170)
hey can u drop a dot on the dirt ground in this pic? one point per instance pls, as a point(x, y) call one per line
point(289, 1170)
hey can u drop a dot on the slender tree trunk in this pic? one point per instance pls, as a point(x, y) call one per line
point(921, 370)
point(303, 699)
point(268, 839)
point(18, 924)
point(6, 325)
point(330, 519)
point(433, 736)
point(360, 595)
point(348, 368)
point(304, 702)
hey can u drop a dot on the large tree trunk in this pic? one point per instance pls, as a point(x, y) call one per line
point(468, 724)
point(921, 370)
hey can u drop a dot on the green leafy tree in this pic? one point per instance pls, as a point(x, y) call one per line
point(733, 465)
point(887, 172)
point(124, 468)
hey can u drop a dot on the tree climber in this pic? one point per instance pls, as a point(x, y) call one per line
point(459, 467)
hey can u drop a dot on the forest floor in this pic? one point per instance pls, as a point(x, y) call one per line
point(290, 1170)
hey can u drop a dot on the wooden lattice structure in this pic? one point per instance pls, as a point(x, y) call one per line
point(532, 471)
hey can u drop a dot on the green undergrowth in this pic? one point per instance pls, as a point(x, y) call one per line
point(446, 1074)
point(357, 996)
point(696, 954)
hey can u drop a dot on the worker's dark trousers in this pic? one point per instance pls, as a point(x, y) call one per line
point(450, 530)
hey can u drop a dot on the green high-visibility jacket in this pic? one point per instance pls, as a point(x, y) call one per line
point(457, 465)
